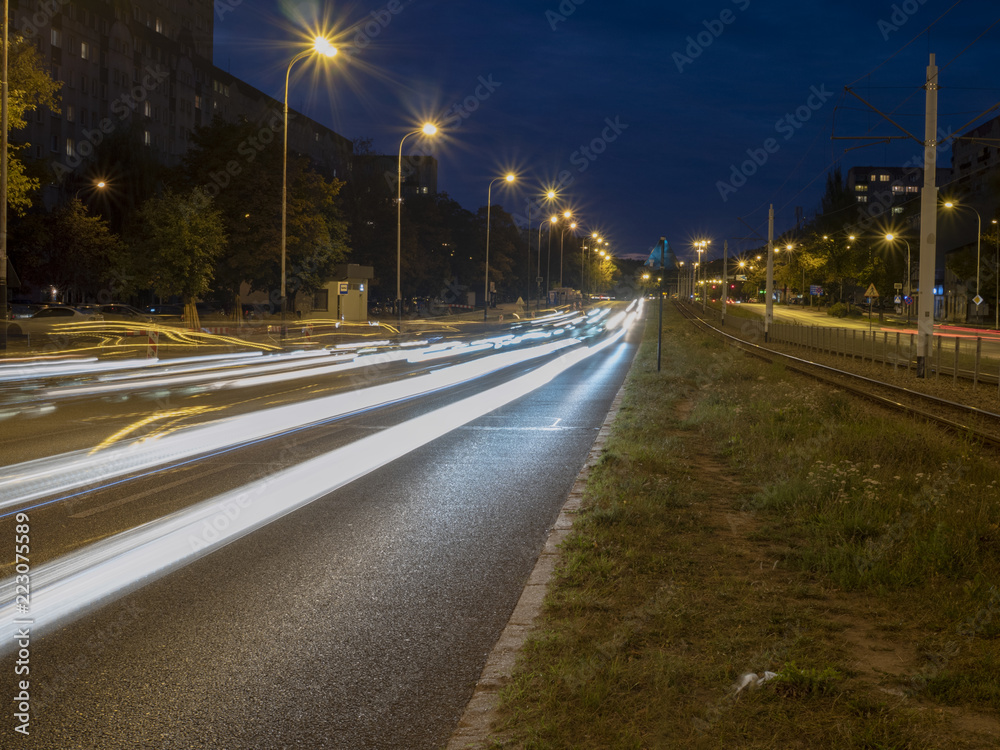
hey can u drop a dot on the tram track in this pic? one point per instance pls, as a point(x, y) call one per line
point(971, 421)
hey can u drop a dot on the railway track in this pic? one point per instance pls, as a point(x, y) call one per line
point(971, 421)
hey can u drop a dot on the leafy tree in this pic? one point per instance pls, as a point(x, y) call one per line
point(177, 240)
point(73, 251)
point(29, 86)
point(238, 167)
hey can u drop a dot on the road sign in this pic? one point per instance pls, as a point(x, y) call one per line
point(898, 285)
point(898, 300)
point(342, 287)
point(978, 300)
point(872, 291)
point(815, 290)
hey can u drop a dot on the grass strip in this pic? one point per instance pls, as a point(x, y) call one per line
point(762, 563)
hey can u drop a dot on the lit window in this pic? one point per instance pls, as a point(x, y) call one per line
point(897, 209)
point(873, 177)
point(56, 38)
point(147, 138)
point(883, 178)
point(70, 113)
point(85, 50)
point(147, 109)
point(159, 26)
point(70, 146)
point(862, 199)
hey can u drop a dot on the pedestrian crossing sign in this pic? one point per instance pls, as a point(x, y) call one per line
point(872, 291)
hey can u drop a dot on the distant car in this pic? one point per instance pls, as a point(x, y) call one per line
point(21, 310)
point(124, 313)
point(165, 312)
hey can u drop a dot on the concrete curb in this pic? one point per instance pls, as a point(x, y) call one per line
point(472, 732)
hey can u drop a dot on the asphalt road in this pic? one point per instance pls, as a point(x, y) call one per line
point(361, 620)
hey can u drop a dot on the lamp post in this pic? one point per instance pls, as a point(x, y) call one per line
point(549, 196)
point(3, 183)
point(427, 129)
point(562, 239)
point(996, 275)
point(323, 47)
point(891, 238)
point(979, 232)
point(486, 283)
point(702, 247)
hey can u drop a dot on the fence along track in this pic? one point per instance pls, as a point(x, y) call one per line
point(949, 414)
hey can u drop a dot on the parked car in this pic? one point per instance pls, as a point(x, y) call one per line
point(124, 313)
point(51, 319)
point(165, 312)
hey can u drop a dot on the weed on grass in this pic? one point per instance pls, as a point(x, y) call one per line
point(746, 521)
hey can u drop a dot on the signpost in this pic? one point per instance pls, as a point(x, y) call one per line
point(871, 293)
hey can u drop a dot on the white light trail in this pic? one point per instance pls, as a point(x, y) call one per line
point(21, 483)
point(74, 583)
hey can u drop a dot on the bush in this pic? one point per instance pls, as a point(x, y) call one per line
point(838, 310)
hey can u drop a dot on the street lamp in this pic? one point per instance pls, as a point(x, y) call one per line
point(979, 230)
point(562, 238)
point(323, 47)
point(702, 247)
point(427, 129)
point(549, 196)
point(486, 283)
point(891, 238)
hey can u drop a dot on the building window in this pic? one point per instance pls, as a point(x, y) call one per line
point(159, 26)
point(70, 113)
point(147, 109)
point(873, 178)
point(56, 38)
point(862, 199)
point(55, 143)
point(69, 146)
point(897, 209)
point(147, 138)
point(861, 188)
point(86, 51)
point(883, 178)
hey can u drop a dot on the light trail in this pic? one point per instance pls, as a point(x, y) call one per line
point(31, 480)
point(74, 583)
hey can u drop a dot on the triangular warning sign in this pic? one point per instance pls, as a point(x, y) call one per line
point(872, 291)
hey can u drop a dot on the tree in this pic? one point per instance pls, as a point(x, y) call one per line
point(238, 170)
point(72, 251)
point(177, 240)
point(29, 86)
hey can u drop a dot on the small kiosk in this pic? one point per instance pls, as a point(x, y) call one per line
point(345, 297)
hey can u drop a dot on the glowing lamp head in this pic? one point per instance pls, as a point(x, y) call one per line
point(554, 218)
point(949, 204)
point(890, 237)
point(429, 129)
point(567, 214)
point(101, 184)
point(509, 178)
point(323, 47)
point(551, 195)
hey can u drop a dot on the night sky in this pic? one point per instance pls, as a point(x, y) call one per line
point(642, 109)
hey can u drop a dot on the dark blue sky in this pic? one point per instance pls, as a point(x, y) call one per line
point(665, 97)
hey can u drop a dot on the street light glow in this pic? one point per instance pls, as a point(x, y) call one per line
point(430, 128)
point(324, 47)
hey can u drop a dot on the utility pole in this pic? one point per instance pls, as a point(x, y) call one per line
point(928, 227)
point(769, 291)
point(3, 185)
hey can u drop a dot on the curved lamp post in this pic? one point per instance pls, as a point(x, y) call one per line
point(486, 283)
point(323, 47)
point(979, 233)
point(892, 238)
point(427, 129)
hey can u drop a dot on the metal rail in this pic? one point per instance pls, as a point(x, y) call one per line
point(861, 386)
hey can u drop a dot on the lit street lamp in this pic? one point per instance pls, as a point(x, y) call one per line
point(486, 284)
point(427, 129)
point(979, 231)
point(891, 238)
point(323, 47)
point(549, 196)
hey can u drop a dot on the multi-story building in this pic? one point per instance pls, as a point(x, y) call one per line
point(882, 190)
point(147, 66)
